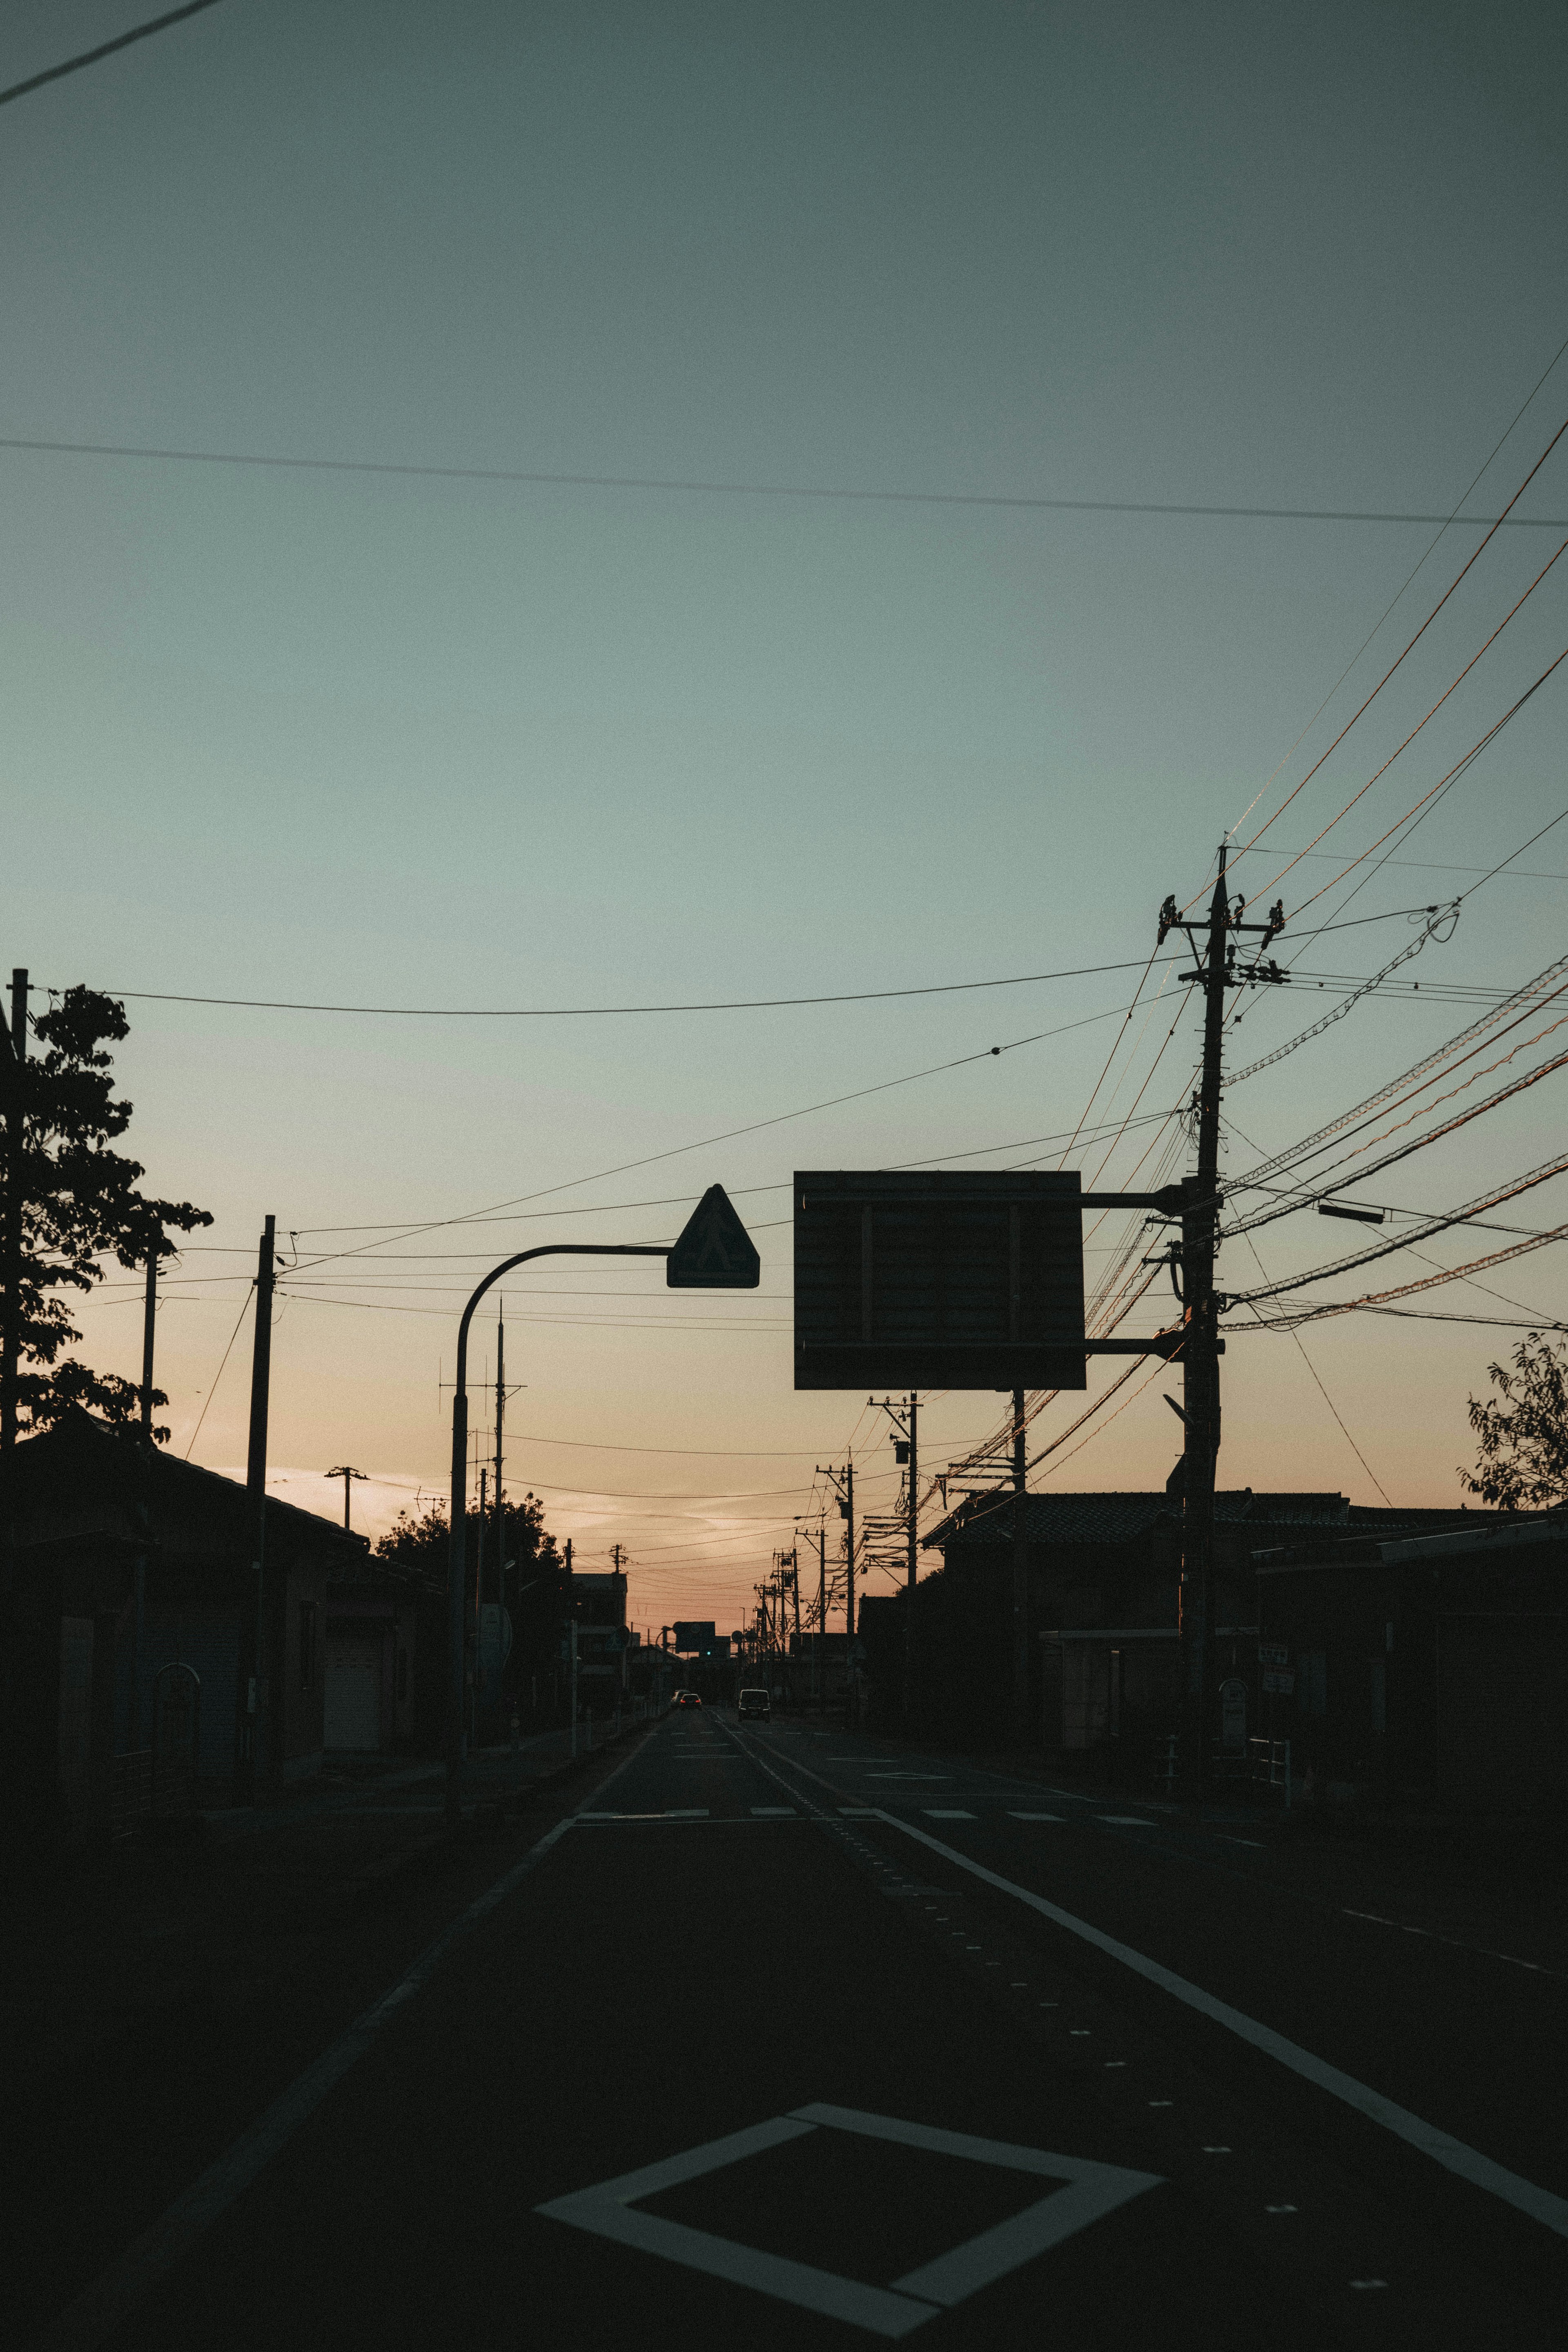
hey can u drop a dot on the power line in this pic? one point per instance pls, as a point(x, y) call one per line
point(218, 1375)
point(91, 57)
point(1507, 1191)
point(1468, 565)
point(754, 1127)
point(1378, 1300)
point(658, 483)
point(622, 1011)
point(609, 1011)
point(1399, 591)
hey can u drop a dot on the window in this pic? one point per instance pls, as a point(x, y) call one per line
point(307, 1644)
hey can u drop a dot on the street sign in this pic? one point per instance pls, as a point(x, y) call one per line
point(715, 1252)
point(1232, 1713)
point(694, 1637)
point(938, 1280)
point(1278, 1678)
point(1274, 1653)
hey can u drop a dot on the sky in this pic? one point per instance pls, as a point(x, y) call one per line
point(291, 734)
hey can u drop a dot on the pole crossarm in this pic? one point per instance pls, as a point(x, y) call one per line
point(1169, 1200)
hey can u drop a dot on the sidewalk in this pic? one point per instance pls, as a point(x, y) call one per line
point(154, 1996)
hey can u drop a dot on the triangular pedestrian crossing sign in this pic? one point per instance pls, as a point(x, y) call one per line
point(715, 1252)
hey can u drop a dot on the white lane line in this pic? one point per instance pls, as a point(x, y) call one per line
point(103, 2307)
point(1125, 1820)
point(1058, 1818)
point(946, 1813)
point(1525, 2196)
point(774, 1812)
point(1455, 1943)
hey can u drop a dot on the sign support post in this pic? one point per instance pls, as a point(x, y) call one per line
point(714, 1252)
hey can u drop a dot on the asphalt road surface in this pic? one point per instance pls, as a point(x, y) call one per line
point(786, 2039)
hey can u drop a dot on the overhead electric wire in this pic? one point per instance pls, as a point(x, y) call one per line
point(218, 1374)
point(1448, 521)
point(1530, 997)
point(1321, 1189)
point(1327, 1400)
point(617, 1011)
point(754, 1127)
point(659, 483)
point(1508, 1191)
point(1451, 689)
point(90, 58)
point(1469, 564)
point(1420, 809)
point(1345, 1005)
point(1378, 1300)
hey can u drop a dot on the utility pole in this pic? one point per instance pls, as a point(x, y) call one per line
point(149, 1321)
point(1215, 958)
point(1020, 1580)
point(10, 1343)
point(348, 1475)
point(475, 1668)
point(905, 1418)
point(501, 1418)
point(259, 1695)
point(843, 1482)
point(821, 1608)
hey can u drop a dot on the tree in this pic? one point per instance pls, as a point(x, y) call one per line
point(72, 1199)
point(1522, 1441)
point(420, 1547)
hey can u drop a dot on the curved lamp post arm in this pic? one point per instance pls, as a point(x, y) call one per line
point(456, 1567)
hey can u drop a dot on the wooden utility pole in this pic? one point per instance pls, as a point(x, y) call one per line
point(346, 1471)
point(1021, 1677)
point(149, 1326)
point(255, 1755)
point(905, 1418)
point(1214, 958)
point(501, 1418)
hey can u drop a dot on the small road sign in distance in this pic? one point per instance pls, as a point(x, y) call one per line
point(715, 1252)
point(938, 1280)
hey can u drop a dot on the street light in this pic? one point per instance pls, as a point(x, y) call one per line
point(714, 1252)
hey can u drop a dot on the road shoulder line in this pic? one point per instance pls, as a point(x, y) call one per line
point(1482, 2171)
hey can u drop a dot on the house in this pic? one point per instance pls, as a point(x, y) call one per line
point(130, 1632)
point(596, 1604)
point(1104, 1608)
point(1425, 1666)
point(386, 1657)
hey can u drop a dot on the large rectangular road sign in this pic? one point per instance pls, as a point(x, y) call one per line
point(938, 1280)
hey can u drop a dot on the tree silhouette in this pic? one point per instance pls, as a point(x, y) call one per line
point(78, 1204)
point(1522, 1441)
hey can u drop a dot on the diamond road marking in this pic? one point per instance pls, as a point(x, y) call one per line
point(1090, 2191)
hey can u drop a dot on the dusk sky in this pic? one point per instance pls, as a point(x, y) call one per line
point(384, 740)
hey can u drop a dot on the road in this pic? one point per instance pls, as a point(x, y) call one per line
point(782, 2037)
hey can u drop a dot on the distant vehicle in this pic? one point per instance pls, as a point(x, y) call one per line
point(755, 1704)
point(687, 1699)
